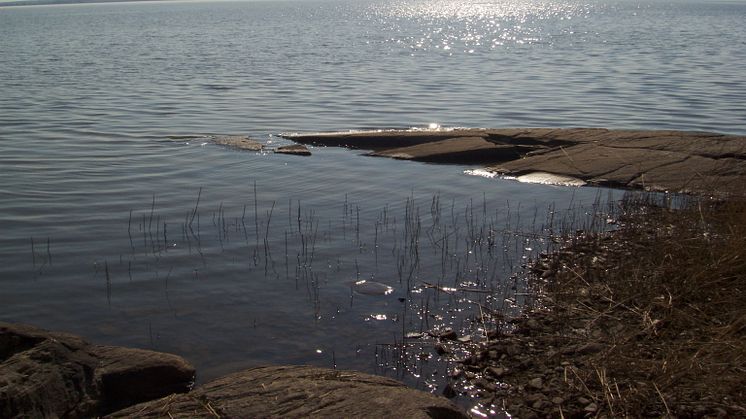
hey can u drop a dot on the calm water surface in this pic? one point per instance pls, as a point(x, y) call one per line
point(117, 228)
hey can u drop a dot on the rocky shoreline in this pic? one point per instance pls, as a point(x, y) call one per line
point(58, 375)
point(625, 323)
point(587, 348)
point(672, 161)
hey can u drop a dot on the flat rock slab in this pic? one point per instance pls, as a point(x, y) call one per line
point(298, 391)
point(50, 374)
point(661, 161)
point(243, 143)
point(381, 139)
point(674, 161)
point(294, 149)
point(457, 150)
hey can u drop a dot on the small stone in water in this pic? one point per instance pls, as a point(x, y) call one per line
point(448, 334)
point(371, 288)
point(440, 349)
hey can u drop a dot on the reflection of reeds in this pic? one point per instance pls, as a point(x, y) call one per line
point(43, 259)
point(33, 253)
point(454, 266)
point(108, 282)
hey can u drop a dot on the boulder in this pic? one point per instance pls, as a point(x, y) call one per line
point(298, 391)
point(243, 143)
point(294, 149)
point(50, 374)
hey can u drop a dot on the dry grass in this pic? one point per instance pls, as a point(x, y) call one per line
point(665, 296)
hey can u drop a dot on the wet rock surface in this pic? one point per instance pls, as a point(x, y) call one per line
point(674, 161)
point(240, 142)
point(298, 391)
point(51, 374)
point(294, 149)
point(456, 150)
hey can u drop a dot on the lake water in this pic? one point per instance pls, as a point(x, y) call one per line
point(123, 222)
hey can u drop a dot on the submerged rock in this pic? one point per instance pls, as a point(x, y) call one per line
point(371, 288)
point(294, 149)
point(243, 143)
point(298, 391)
point(51, 374)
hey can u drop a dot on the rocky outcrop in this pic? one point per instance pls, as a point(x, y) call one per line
point(298, 391)
point(243, 143)
point(51, 374)
point(294, 149)
point(653, 160)
point(457, 150)
point(58, 375)
point(675, 161)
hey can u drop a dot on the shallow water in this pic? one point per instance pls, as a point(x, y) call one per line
point(99, 191)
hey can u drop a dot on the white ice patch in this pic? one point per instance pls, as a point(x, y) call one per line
point(550, 179)
point(480, 172)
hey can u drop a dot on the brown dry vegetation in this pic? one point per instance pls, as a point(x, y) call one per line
point(649, 320)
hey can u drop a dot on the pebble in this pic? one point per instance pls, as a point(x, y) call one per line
point(591, 408)
point(496, 372)
point(484, 384)
point(448, 334)
point(536, 383)
point(441, 349)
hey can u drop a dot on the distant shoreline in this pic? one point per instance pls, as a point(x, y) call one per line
point(66, 2)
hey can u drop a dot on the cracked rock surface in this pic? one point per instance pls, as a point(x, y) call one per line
point(674, 161)
point(298, 391)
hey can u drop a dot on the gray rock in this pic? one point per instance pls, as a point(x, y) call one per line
point(675, 161)
point(243, 143)
point(49, 374)
point(496, 372)
point(591, 408)
point(456, 150)
point(298, 391)
point(536, 383)
point(294, 149)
